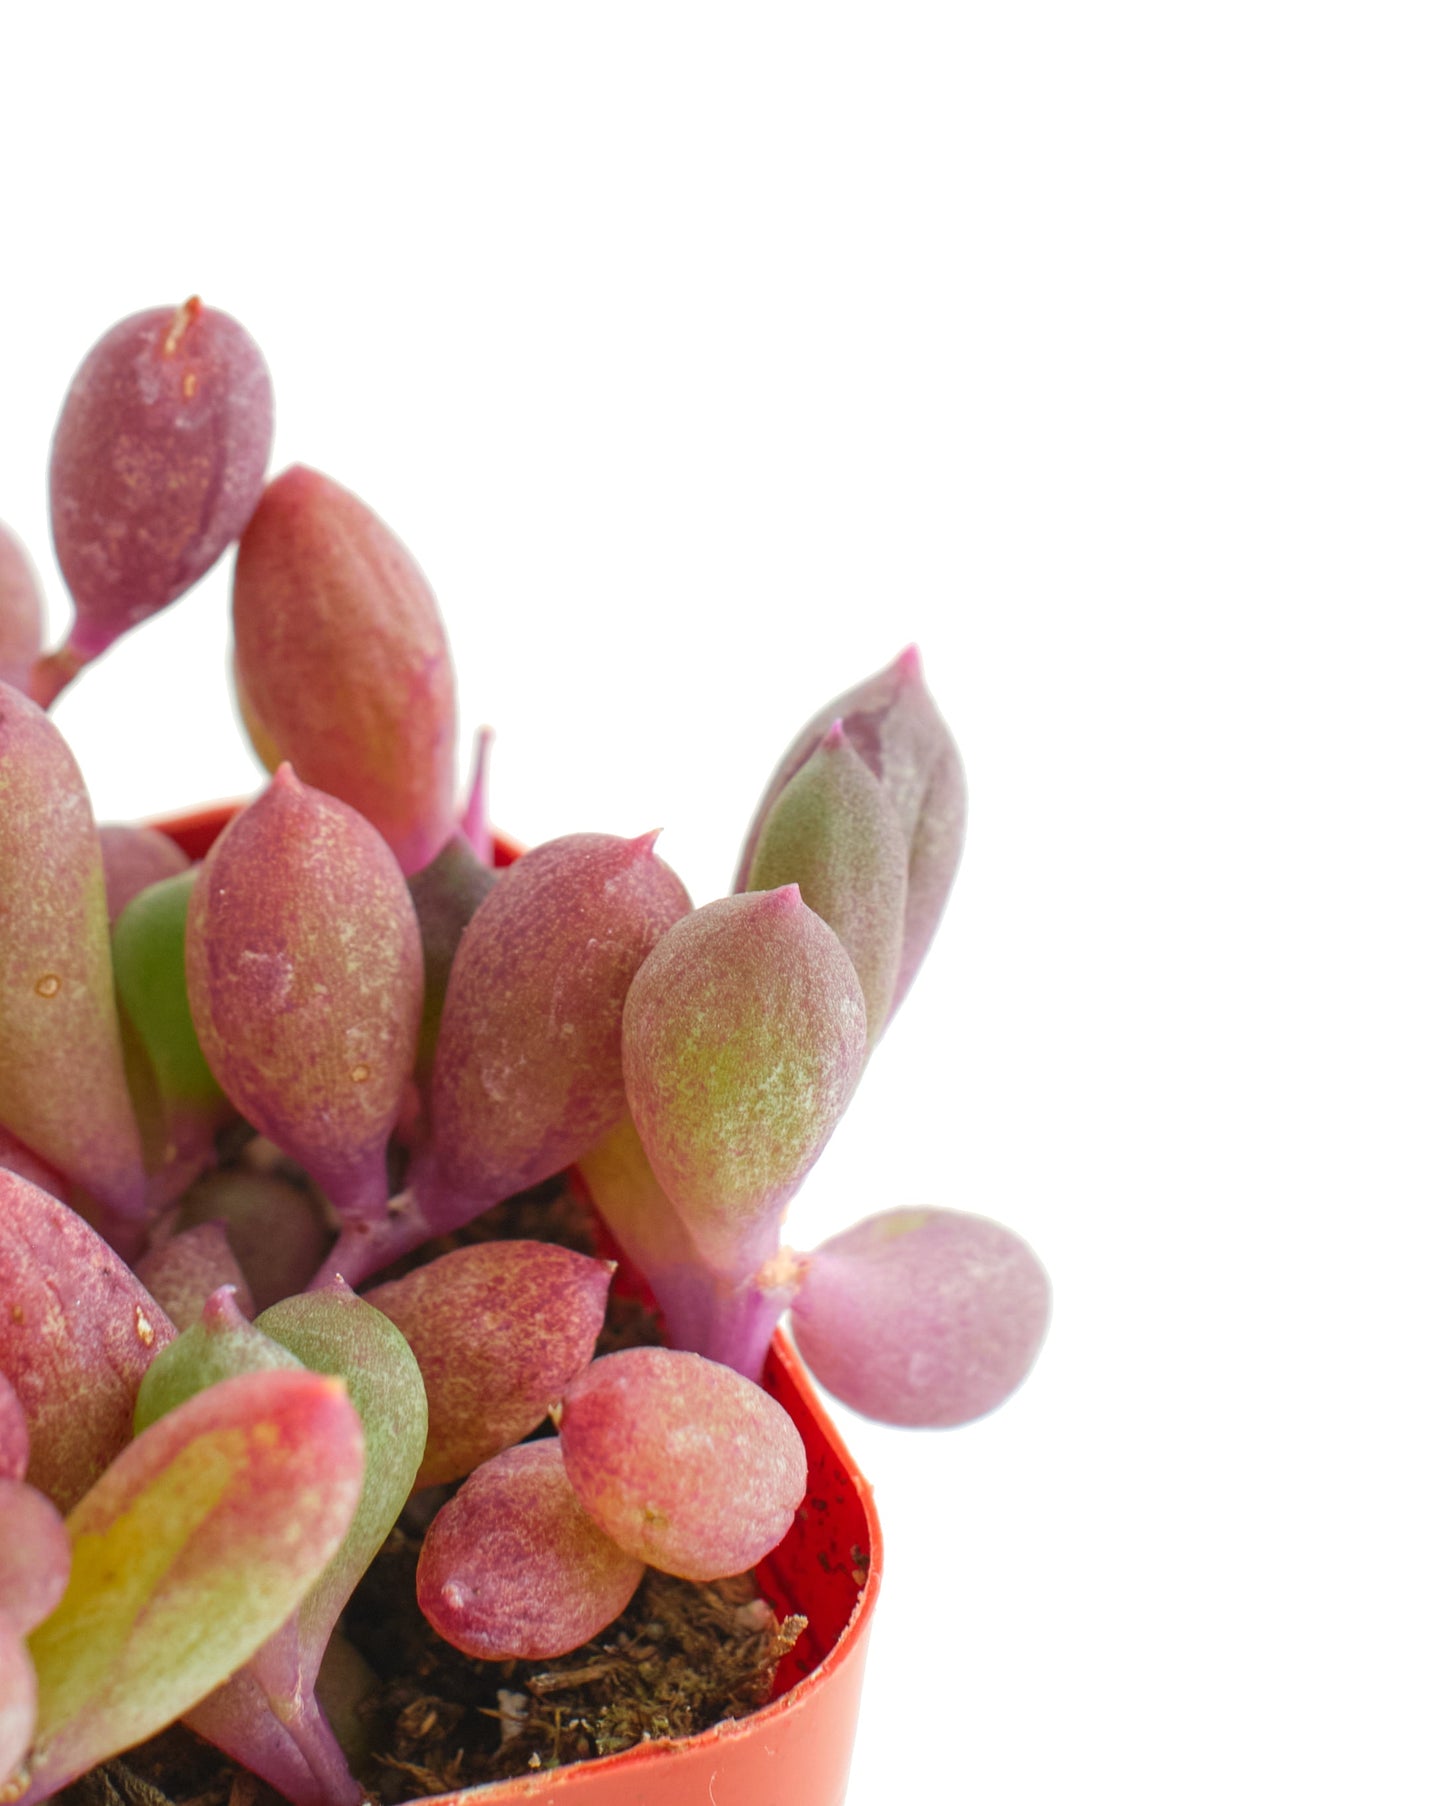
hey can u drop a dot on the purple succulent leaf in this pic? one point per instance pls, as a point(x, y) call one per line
point(684, 1463)
point(513, 1567)
point(834, 834)
point(158, 463)
point(744, 1035)
point(62, 1076)
point(34, 1555)
point(183, 1272)
point(22, 613)
point(221, 1514)
point(14, 1433)
point(134, 858)
point(924, 1317)
point(342, 661)
point(304, 970)
point(77, 1334)
point(17, 1706)
point(274, 1228)
point(894, 725)
point(446, 895)
point(499, 1330)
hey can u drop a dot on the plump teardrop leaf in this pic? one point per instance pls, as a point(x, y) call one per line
point(743, 1037)
point(158, 463)
point(273, 1226)
point(184, 1271)
point(304, 972)
point(446, 895)
point(343, 662)
point(190, 1550)
point(219, 1345)
point(922, 1317)
point(34, 1555)
point(894, 725)
point(512, 1566)
point(499, 1330)
point(22, 615)
point(77, 1333)
point(834, 834)
point(684, 1463)
point(62, 1076)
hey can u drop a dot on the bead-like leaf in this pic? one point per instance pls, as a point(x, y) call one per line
point(188, 1553)
point(499, 1330)
point(134, 858)
point(922, 1317)
point(684, 1463)
point(182, 1272)
point(274, 1228)
point(513, 1568)
point(22, 618)
point(158, 463)
point(304, 970)
point(62, 1077)
point(743, 1038)
point(77, 1333)
point(343, 662)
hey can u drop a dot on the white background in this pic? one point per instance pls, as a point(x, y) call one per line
point(706, 356)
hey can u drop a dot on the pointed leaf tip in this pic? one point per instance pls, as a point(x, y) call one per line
point(835, 737)
point(909, 664)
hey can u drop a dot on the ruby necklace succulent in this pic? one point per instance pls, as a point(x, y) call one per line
point(233, 1093)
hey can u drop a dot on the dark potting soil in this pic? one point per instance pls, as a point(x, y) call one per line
point(681, 1658)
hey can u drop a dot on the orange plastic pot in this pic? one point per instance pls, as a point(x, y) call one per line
point(795, 1750)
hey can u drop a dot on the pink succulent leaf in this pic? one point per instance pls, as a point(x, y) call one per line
point(512, 1566)
point(220, 1516)
point(475, 825)
point(894, 725)
point(17, 1707)
point(134, 858)
point(342, 661)
point(62, 1077)
point(158, 462)
point(182, 1273)
point(275, 1228)
point(744, 1035)
point(833, 833)
point(14, 1434)
point(34, 1555)
point(304, 971)
point(22, 613)
point(76, 1336)
point(922, 1317)
point(499, 1330)
point(684, 1463)
point(446, 895)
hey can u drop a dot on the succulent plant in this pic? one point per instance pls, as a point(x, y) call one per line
point(253, 1110)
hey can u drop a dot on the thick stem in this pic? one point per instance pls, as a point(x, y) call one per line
point(742, 1318)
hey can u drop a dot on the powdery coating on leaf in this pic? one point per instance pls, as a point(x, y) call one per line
point(894, 725)
point(158, 463)
point(499, 1330)
point(196, 1543)
point(134, 858)
point(34, 1555)
point(182, 1273)
point(514, 1568)
point(14, 1435)
point(743, 1038)
point(303, 965)
point(925, 1318)
point(684, 1463)
point(62, 1080)
point(273, 1227)
point(17, 1699)
point(833, 833)
point(528, 1070)
point(343, 661)
point(22, 616)
point(77, 1332)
